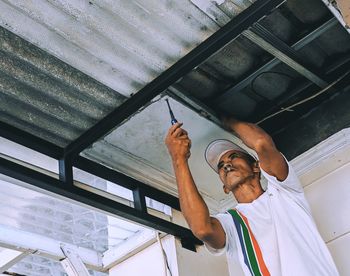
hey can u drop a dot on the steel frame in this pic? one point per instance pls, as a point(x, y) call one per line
point(69, 156)
point(72, 263)
point(275, 61)
point(270, 43)
point(58, 187)
point(206, 111)
point(30, 141)
point(126, 181)
point(202, 52)
point(339, 68)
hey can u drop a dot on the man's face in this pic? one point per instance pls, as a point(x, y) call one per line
point(234, 169)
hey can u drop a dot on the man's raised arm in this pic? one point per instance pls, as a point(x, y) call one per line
point(271, 160)
point(193, 207)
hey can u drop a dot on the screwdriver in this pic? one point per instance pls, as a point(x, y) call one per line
point(173, 120)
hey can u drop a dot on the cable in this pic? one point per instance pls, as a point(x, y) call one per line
point(166, 263)
point(288, 108)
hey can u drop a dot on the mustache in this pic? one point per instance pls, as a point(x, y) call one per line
point(229, 168)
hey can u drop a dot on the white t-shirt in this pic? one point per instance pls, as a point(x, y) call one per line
point(282, 224)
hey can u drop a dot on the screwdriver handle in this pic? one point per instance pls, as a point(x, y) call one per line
point(173, 121)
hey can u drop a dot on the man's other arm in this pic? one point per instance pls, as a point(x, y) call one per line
point(271, 160)
point(193, 207)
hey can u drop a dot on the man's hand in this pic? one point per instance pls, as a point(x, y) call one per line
point(178, 143)
point(228, 122)
point(270, 159)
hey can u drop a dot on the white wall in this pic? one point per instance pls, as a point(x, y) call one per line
point(325, 174)
point(183, 262)
point(199, 263)
point(149, 262)
point(330, 204)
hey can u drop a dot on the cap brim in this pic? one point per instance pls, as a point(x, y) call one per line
point(218, 148)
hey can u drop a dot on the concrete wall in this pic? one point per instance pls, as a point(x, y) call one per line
point(199, 263)
point(149, 262)
point(327, 188)
point(182, 262)
point(329, 199)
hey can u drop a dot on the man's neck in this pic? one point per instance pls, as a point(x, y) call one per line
point(248, 192)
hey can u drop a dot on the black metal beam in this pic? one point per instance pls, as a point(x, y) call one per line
point(139, 200)
point(65, 169)
point(202, 52)
point(55, 186)
point(125, 181)
point(272, 63)
point(272, 44)
point(30, 141)
point(332, 73)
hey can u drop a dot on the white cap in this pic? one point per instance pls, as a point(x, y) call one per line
point(218, 148)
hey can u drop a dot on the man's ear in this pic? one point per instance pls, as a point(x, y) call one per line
point(226, 191)
point(256, 167)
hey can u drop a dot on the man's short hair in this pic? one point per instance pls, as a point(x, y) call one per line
point(217, 148)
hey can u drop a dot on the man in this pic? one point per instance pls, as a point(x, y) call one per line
point(269, 232)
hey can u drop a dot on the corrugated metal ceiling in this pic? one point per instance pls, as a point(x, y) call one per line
point(50, 90)
point(46, 97)
point(123, 44)
point(88, 57)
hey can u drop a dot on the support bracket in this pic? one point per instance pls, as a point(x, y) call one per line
point(65, 171)
point(9, 258)
point(72, 264)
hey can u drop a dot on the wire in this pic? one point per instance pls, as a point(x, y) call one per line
point(289, 108)
point(165, 258)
